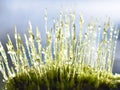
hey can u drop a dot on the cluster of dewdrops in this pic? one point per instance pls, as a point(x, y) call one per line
point(94, 47)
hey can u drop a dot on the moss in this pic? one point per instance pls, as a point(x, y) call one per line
point(63, 77)
point(67, 60)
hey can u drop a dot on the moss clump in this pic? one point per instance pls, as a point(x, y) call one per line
point(57, 76)
point(68, 61)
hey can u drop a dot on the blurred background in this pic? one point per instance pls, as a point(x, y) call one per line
point(19, 12)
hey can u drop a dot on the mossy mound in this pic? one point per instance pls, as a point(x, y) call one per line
point(63, 77)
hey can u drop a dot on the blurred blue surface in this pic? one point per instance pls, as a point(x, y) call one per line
point(19, 12)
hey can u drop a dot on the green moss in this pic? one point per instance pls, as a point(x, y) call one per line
point(63, 77)
point(67, 60)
